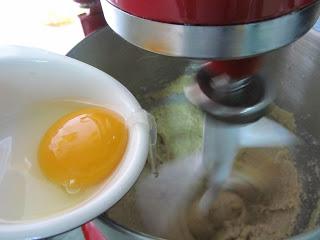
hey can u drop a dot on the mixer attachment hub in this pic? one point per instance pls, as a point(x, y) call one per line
point(231, 100)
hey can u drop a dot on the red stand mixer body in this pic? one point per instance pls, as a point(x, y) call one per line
point(210, 12)
point(231, 34)
point(197, 26)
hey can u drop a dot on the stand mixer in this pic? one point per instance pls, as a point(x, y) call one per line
point(233, 31)
point(229, 86)
point(233, 35)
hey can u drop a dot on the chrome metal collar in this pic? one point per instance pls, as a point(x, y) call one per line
point(214, 42)
point(240, 102)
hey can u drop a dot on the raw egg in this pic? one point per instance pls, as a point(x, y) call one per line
point(83, 148)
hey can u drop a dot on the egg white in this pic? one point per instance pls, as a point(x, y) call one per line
point(25, 192)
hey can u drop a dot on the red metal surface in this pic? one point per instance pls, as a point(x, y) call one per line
point(91, 232)
point(236, 69)
point(94, 20)
point(209, 12)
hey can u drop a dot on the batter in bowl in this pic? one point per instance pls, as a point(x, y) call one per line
point(161, 206)
point(269, 215)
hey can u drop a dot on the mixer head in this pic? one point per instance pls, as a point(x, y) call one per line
point(215, 29)
point(210, 29)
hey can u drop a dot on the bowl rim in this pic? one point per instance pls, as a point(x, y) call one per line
point(124, 177)
point(136, 235)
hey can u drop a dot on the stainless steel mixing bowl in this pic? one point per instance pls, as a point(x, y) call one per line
point(296, 68)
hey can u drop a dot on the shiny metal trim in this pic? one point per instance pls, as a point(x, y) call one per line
point(237, 115)
point(125, 232)
point(211, 42)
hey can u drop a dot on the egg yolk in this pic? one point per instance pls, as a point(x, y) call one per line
point(83, 148)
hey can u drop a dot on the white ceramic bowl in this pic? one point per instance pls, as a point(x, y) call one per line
point(28, 75)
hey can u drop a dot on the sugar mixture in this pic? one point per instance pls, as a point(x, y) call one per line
point(161, 206)
point(267, 214)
